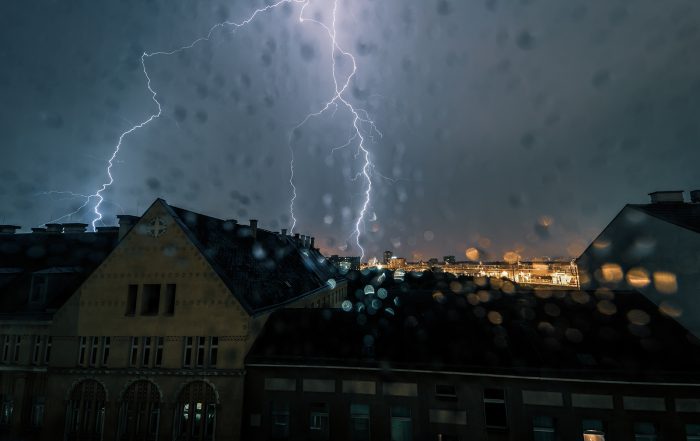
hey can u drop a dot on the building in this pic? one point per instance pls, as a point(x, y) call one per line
point(345, 263)
point(541, 365)
point(655, 249)
point(396, 263)
point(141, 334)
point(449, 260)
point(387, 257)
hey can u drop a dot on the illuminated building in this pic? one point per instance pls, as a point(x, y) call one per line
point(655, 249)
point(449, 260)
point(140, 332)
point(396, 263)
point(345, 263)
point(387, 257)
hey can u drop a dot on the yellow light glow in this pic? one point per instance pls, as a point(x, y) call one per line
point(665, 282)
point(472, 254)
point(638, 277)
point(611, 272)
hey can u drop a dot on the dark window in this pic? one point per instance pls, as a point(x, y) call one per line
point(6, 349)
point(445, 392)
point(159, 352)
point(359, 422)
point(81, 350)
point(644, 431)
point(213, 351)
point(39, 283)
point(401, 426)
point(280, 420)
point(146, 352)
point(134, 351)
point(187, 353)
point(543, 428)
point(94, 348)
point(151, 299)
point(692, 432)
point(37, 415)
point(36, 354)
point(201, 347)
point(47, 353)
point(131, 300)
point(7, 409)
point(170, 299)
point(18, 347)
point(105, 350)
point(495, 408)
point(318, 422)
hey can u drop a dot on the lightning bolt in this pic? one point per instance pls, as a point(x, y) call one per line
point(362, 125)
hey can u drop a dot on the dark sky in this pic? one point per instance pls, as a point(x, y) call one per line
point(508, 125)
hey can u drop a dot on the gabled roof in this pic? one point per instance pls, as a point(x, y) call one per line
point(66, 258)
point(262, 271)
point(686, 215)
point(563, 334)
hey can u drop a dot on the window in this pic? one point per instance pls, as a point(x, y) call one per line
point(47, 352)
point(105, 350)
point(187, 353)
point(495, 409)
point(645, 432)
point(692, 432)
point(318, 421)
point(359, 422)
point(159, 352)
point(81, 350)
point(36, 353)
point(401, 427)
point(18, 346)
point(36, 418)
point(94, 350)
point(445, 392)
point(7, 407)
point(280, 420)
point(213, 351)
point(5, 348)
point(38, 293)
point(170, 299)
point(146, 352)
point(201, 342)
point(131, 300)
point(151, 299)
point(543, 428)
point(593, 430)
point(134, 351)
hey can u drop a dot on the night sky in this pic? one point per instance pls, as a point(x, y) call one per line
point(507, 125)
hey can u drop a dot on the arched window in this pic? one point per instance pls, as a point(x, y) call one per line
point(139, 413)
point(86, 412)
point(195, 414)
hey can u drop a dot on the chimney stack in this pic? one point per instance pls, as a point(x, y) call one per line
point(312, 246)
point(54, 228)
point(254, 227)
point(695, 196)
point(126, 222)
point(74, 228)
point(107, 229)
point(296, 238)
point(284, 231)
point(667, 197)
point(8, 229)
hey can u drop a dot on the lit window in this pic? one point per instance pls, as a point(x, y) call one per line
point(134, 351)
point(645, 432)
point(593, 430)
point(359, 422)
point(401, 426)
point(213, 351)
point(105, 350)
point(543, 428)
point(146, 352)
point(495, 408)
point(187, 353)
point(159, 352)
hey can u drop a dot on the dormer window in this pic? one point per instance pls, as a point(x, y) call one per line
point(38, 290)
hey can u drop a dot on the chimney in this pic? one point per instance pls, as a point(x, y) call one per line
point(695, 196)
point(74, 228)
point(254, 227)
point(107, 229)
point(311, 245)
point(296, 238)
point(54, 228)
point(126, 222)
point(666, 197)
point(284, 231)
point(306, 241)
point(8, 229)
point(38, 230)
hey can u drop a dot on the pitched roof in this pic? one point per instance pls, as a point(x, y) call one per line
point(686, 215)
point(65, 258)
point(261, 271)
point(540, 333)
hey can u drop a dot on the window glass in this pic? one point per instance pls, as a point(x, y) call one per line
point(359, 422)
point(401, 425)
